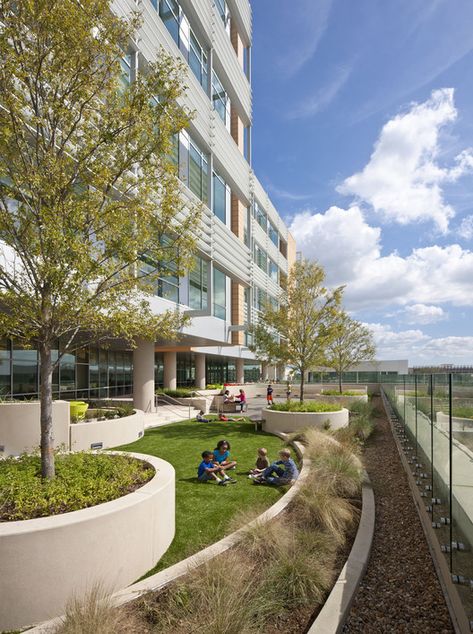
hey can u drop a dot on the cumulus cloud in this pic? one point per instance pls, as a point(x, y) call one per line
point(420, 348)
point(424, 314)
point(350, 251)
point(465, 230)
point(403, 179)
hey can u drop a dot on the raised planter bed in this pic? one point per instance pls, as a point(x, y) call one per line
point(343, 400)
point(47, 560)
point(458, 424)
point(294, 421)
point(107, 433)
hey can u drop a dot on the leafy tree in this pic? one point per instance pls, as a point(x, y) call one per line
point(89, 195)
point(297, 331)
point(352, 343)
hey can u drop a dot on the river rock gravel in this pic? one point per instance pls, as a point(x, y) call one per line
point(400, 592)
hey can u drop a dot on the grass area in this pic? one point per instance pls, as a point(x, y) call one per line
point(463, 411)
point(82, 480)
point(306, 406)
point(204, 511)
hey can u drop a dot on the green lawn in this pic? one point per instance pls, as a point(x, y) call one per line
point(204, 511)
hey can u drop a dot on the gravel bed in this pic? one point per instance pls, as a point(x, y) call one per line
point(400, 591)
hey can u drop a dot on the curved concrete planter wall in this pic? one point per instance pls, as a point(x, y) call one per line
point(458, 424)
point(45, 561)
point(20, 426)
point(294, 421)
point(107, 433)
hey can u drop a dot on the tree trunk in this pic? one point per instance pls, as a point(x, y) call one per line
point(46, 405)
point(340, 387)
point(301, 398)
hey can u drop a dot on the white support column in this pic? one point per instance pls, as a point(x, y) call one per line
point(170, 370)
point(200, 371)
point(143, 376)
point(240, 371)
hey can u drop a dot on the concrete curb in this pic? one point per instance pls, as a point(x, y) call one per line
point(181, 568)
point(336, 609)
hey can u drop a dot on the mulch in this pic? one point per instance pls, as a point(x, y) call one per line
point(400, 592)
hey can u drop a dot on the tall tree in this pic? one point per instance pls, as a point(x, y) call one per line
point(297, 331)
point(352, 343)
point(90, 212)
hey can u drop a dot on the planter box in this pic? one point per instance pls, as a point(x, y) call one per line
point(294, 421)
point(107, 433)
point(46, 560)
point(458, 424)
point(20, 426)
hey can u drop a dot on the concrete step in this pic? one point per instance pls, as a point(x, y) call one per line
point(169, 414)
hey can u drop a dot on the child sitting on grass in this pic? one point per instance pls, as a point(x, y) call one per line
point(222, 455)
point(262, 462)
point(200, 418)
point(280, 472)
point(208, 471)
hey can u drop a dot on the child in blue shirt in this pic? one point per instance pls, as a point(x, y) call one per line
point(222, 455)
point(208, 471)
point(280, 472)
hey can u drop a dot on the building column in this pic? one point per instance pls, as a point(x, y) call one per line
point(240, 371)
point(200, 382)
point(170, 370)
point(143, 376)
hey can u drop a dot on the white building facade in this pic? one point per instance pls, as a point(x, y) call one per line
point(244, 249)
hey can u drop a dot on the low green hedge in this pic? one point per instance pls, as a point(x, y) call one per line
point(344, 393)
point(463, 411)
point(82, 480)
point(182, 392)
point(306, 406)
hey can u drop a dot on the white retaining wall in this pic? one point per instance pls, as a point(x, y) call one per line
point(107, 433)
point(45, 561)
point(294, 421)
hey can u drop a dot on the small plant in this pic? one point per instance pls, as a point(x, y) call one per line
point(306, 406)
point(214, 386)
point(182, 392)
point(327, 425)
point(337, 393)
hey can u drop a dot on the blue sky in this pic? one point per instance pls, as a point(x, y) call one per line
point(363, 136)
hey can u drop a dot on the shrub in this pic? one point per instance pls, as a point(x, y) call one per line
point(82, 480)
point(306, 406)
point(182, 392)
point(463, 411)
point(344, 393)
point(214, 386)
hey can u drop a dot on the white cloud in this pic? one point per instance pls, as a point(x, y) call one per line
point(424, 314)
point(403, 180)
point(465, 230)
point(283, 193)
point(323, 97)
point(350, 251)
point(418, 347)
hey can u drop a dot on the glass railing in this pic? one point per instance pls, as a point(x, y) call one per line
point(433, 419)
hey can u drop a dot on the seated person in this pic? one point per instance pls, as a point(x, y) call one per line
point(262, 462)
point(242, 399)
point(225, 419)
point(285, 471)
point(227, 397)
point(200, 418)
point(222, 455)
point(207, 471)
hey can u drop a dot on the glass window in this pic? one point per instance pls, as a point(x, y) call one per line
point(273, 271)
point(198, 172)
point(260, 258)
point(273, 234)
point(5, 368)
point(174, 154)
point(198, 61)
point(198, 291)
point(125, 64)
point(220, 98)
point(219, 197)
point(222, 9)
point(169, 12)
point(260, 216)
point(220, 294)
point(260, 298)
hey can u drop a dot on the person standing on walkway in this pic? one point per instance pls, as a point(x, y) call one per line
point(269, 395)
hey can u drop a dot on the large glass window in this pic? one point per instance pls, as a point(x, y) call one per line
point(198, 61)
point(273, 234)
point(260, 298)
point(273, 271)
point(220, 294)
point(219, 197)
point(260, 216)
point(169, 12)
point(198, 291)
point(223, 11)
point(260, 258)
point(198, 172)
point(220, 99)
point(5, 367)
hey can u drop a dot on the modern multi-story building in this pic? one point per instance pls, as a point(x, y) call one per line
point(245, 249)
